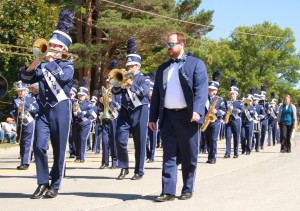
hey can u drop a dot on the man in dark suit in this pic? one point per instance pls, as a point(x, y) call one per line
point(178, 101)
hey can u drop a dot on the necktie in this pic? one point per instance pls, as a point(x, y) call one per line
point(175, 60)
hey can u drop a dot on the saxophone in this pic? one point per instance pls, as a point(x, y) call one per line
point(75, 107)
point(228, 113)
point(210, 117)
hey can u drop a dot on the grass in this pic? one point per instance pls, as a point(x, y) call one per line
point(6, 145)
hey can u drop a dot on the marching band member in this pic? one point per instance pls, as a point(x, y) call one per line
point(260, 115)
point(213, 129)
point(84, 114)
point(133, 116)
point(55, 80)
point(152, 135)
point(272, 119)
point(264, 122)
point(247, 116)
point(26, 123)
point(74, 126)
point(277, 129)
point(110, 124)
point(233, 126)
point(93, 133)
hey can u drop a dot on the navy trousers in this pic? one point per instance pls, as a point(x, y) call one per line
point(53, 123)
point(151, 144)
point(27, 137)
point(105, 142)
point(135, 121)
point(112, 142)
point(263, 131)
point(233, 128)
point(247, 136)
point(180, 138)
point(272, 130)
point(212, 135)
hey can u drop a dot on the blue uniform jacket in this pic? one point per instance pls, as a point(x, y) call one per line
point(31, 109)
point(251, 114)
point(260, 110)
point(139, 89)
point(220, 107)
point(86, 112)
point(194, 83)
point(61, 70)
point(237, 108)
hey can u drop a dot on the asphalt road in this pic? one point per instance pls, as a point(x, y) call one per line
point(265, 180)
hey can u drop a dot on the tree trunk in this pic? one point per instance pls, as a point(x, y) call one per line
point(79, 35)
point(88, 36)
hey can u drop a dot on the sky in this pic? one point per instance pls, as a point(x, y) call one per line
point(229, 14)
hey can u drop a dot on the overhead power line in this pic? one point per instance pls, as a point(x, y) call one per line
point(188, 22)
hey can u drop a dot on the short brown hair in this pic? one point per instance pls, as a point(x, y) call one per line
point(180, 36)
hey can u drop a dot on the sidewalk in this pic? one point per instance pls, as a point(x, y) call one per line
point(267, 180)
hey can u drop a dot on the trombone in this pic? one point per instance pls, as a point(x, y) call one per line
point(40, 49)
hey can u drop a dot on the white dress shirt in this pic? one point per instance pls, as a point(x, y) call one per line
point(174, 97)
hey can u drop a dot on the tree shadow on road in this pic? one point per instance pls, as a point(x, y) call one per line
point(14, 195)
point(121, 196)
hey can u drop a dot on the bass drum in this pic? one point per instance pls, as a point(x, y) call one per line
point(3, 86)
point(256, 127)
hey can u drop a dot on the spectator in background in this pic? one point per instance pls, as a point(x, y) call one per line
point(1, 133)
point(287, 122)
point(10, 130)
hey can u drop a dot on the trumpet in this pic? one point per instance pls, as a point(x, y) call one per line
point(119, 76)
point(246, 102)
point(39, 50)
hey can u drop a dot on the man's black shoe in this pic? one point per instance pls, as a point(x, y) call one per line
point(23, 167)
point(137, 177)
point(72, 156)
point(150, 161)
point(164, 197)
point(104, 166)
point(122, 174)
point(235, 156)
point(226, 156)
point(39, 192)
point(248, 153)
point(185, 196)
point(211, 161)
point(51, 193)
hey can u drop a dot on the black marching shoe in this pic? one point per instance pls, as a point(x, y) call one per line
point(39, 192)
point(185, 196)
point(235, 156)
point(150, 161)
point(122, 174)
point(248, 153)
point(104, 166)
point(226, 156)
point(51, 193)
point(23, 167)
point(164, 197)
point(137, 177)
point(211, 161)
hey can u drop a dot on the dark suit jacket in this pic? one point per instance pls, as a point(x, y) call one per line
point(194, 83)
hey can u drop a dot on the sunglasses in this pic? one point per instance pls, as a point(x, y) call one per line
point(171, 44)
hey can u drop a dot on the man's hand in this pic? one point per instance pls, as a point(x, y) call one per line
point(195, 117)
point(152, 126)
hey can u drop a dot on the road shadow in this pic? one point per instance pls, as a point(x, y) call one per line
point(121, 196)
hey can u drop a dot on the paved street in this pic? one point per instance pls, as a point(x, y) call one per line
point(267, 180)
